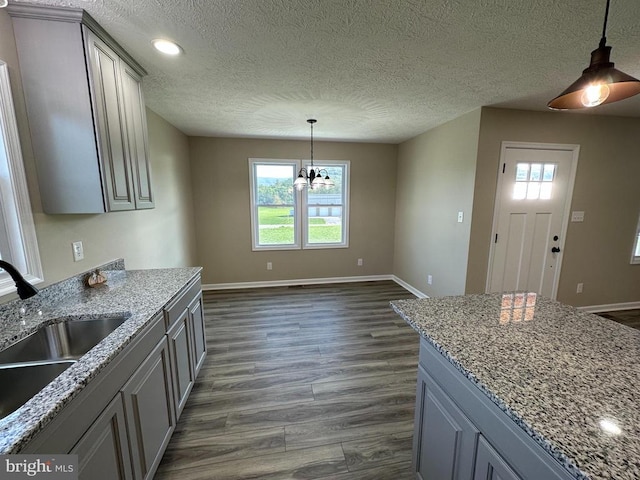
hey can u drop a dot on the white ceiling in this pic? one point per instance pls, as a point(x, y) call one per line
point(368, 70)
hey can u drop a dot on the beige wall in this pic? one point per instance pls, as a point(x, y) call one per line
point(220, 173)
point(436, 173)
point(597, 252)
point(162, 237)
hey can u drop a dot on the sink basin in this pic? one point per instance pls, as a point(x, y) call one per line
point(21, 382)
point(65, 340)
point(30, 364)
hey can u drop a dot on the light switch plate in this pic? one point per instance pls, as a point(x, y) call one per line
point(577, 216)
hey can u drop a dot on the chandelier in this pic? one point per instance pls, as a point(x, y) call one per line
point(312, 178)
point(600, 83)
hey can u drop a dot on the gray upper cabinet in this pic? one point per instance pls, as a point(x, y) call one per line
point(86, 112)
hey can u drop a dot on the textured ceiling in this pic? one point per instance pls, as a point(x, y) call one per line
point(368, 70)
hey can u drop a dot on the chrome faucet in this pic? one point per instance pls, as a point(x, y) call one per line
point(24, 288)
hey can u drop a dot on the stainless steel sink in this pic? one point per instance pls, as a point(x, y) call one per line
point(21, 382)
point(30, 364)
point(65, 340)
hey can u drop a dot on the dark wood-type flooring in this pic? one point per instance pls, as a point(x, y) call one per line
point(631, 318)
point(314, 382)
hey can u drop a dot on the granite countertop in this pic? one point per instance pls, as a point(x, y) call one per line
point(139, 294)
point(562, 375)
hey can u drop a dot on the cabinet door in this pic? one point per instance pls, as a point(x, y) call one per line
point(444, 439)
point(138, 145)
point(180, 344)
point(196, 316)
point(148, 402)
point(103, 451)
point(107, 98)
point(490, 465)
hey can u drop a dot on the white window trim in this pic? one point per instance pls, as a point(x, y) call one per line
point(16, 206)
point(300, 206)
point(254, 207)
point(345, 208)
point(634, 258)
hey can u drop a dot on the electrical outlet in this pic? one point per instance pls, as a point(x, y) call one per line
point(269, 266)
point(78, 251)
point(579, 287)
point(360, 262)
point(429, 279)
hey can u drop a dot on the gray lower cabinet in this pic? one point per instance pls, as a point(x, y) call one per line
point(86, 112)
point(180, 344)
point(148, 402)
point(460, 434)
point(196, 319)
point(185, 329)
point(490, 465)
point(445, 440)
point(120, 423)
point(103, 451)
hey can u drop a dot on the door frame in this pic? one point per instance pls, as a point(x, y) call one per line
point(567, 147)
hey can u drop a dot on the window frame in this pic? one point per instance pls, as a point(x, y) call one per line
point(346, 164)
point(16, 215)
point(635, 259)
point(255, 227)
point(300, 207)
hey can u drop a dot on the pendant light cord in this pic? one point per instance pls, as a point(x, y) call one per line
point(312, 143)
point(603, 40)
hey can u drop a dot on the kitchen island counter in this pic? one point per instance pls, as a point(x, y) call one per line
point(567, 378)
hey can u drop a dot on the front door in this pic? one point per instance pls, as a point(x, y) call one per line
point(530, 218)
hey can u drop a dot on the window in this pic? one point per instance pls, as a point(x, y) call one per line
point(534, 181)
point(18, 244)
point(325, 224)
point(274, 210)
point(283, 218)
point(635, 255)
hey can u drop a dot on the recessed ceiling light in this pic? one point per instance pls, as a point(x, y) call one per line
point(167, 47)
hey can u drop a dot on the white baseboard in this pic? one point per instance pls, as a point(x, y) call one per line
point(300, 281)
point(313, 281)
point(411, 288)
point(610, 307)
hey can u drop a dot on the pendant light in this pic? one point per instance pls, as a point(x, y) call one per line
point(600, 83)
point(312, 178)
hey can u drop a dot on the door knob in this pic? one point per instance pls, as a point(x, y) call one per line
point(555, 249)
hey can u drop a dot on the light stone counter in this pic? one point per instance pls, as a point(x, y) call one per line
point(140, 294)
point(562, 375)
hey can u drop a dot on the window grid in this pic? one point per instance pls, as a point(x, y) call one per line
point(534, 181)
